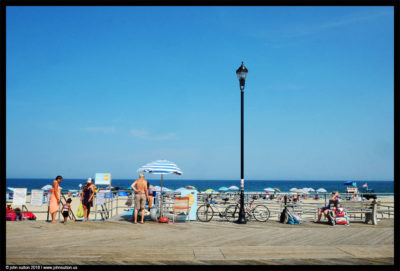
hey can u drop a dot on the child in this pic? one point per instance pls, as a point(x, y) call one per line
point(66, 210)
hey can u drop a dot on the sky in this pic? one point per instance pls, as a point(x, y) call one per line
point(109, 89)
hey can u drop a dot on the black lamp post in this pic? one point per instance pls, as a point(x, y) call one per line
point(241, 74)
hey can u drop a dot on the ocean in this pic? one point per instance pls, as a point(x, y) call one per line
point(249, 185)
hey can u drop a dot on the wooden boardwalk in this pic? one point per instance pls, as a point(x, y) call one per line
point(123, 243)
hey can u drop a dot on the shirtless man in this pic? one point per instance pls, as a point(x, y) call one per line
point(141, 195)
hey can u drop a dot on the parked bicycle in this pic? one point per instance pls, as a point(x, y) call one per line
point(206, 211)
point(258, 212)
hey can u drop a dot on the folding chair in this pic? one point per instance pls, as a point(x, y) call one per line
point(181, 207)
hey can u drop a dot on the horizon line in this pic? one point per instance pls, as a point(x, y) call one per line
point(284, 180)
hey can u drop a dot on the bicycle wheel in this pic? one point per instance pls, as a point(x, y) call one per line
point(261, 213)
point(232, 213)
point(205, 213)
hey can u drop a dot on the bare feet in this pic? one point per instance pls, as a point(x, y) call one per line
point(135, 222)
point(141, 222)
point(53, 222)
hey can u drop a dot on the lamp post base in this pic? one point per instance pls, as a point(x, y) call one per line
point(241, 221)
point(242, 217)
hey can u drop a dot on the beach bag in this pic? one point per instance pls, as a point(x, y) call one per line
point(29, 216)
point(342, 220)
point(12, 216)
point(129, 202)
point(340, 212)
point(293, 221)
point(79, 213)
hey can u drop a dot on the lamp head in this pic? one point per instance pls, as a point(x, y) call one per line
point(242, 74)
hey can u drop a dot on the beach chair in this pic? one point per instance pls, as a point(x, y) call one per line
point(180, 207)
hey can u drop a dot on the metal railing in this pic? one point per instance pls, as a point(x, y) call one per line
point(112, 203)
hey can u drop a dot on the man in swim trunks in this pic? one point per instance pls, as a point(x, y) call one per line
point(141, 195)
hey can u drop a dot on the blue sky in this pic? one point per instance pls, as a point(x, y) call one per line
point(108, 89)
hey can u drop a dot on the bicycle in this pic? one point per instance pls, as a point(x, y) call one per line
point(258, 212)
point(206, 211)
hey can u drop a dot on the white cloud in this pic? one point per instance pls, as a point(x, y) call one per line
point(146, 135)
point(99, 129)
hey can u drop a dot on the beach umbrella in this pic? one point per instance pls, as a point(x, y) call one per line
point(161, 167)
point(233, 187)
point(306, 190)
point(12, 188)
point(47, 187)
point(223, 188)
point(269, 189)
point(180, 189)
point(191, 187)
point(122, 193)
point(321, 190)
point(277, 190)
point(209, 190)
point(294, 189)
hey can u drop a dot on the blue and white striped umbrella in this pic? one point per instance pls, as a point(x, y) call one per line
point(161, 167)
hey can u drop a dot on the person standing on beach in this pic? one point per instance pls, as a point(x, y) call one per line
point(55, 199)
point(141, 195)
point(87, 195)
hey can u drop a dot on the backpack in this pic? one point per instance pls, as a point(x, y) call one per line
point(293, 221)
point(12, 216)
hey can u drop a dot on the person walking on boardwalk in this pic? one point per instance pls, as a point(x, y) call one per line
point(87, 195)
point(141, 195)
point(66, 210)
point(55, 199)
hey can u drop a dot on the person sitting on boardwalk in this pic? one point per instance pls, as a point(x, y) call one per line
point(141, 195)
point(87, 195)
point(55, 199)
point(324, 210)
